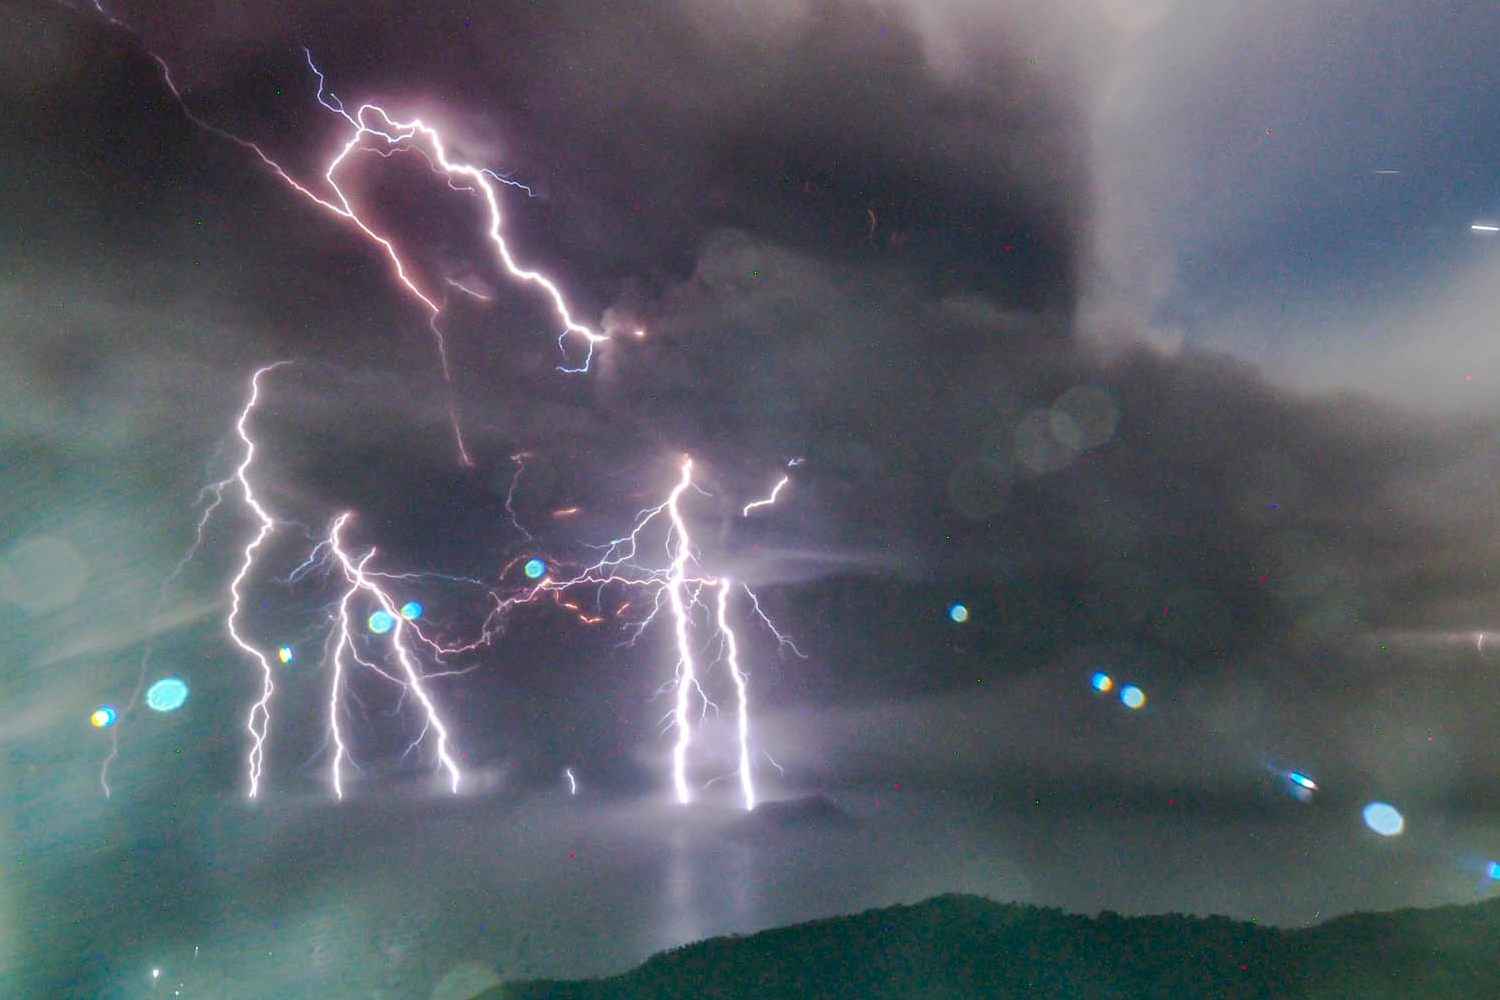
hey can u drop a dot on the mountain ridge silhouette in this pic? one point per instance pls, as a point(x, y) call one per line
point(959, 946)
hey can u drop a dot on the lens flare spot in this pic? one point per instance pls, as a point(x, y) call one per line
point(534, 568)
point(284, 654)
point(1494, 870)
point(103, 716)
point(1132, 696)
point(1301, 780)
point(1102, 681)
point(1383, 819)
point(381, 622)
point(410, 610)
point(167, 694)
point(958, 613)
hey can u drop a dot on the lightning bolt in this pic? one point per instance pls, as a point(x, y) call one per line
point(775, 491)
point(678, 586)
point(360, 579)
point(260, 713)
point(747, 783)
point(686, 670)
point(372, 123)
point(374, 129)
point(510, 494)
point(216, 492)
point(411, 676)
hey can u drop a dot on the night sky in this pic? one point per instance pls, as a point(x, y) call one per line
point(1155, 335)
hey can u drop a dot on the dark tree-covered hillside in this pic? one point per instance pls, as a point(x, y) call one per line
point(953, 947)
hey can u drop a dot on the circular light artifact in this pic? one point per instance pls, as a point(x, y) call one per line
point(1384, 819)
point(535, 568)
point(381, 622)
point(1102, 681)
point(1132, 696)
point(958, 613)
point(103, 716)
point(167, 694)
point(410, 610)
point(284, 654)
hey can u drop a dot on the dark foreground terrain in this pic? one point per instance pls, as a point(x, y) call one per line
point(967, 946)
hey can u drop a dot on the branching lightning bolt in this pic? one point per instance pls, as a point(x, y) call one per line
point(411, 674)
point(260, 713)
point(676, 587)
point(377, 130)
point(216, 492)
point(360, 579)
point(732, 656)
point(686, 671)
point(679, 586)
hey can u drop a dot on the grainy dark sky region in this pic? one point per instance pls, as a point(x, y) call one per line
point(1156, 335)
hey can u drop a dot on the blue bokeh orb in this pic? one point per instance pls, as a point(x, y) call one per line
point(103, 716)
point(1383, 819)
point(410, 610)
point(381, 622)
point(166, 694)
point(1132, 696)
point(1102, 681)
point(958, 613)
point(534, 568)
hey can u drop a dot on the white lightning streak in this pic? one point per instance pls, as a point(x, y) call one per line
point(747, 785)
point(360, 580)
point(399, 135)
point(686, 675)
point(679, 586)
point(336, 685)
point(768, 500)
point(377, 130)
point(260, 713)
